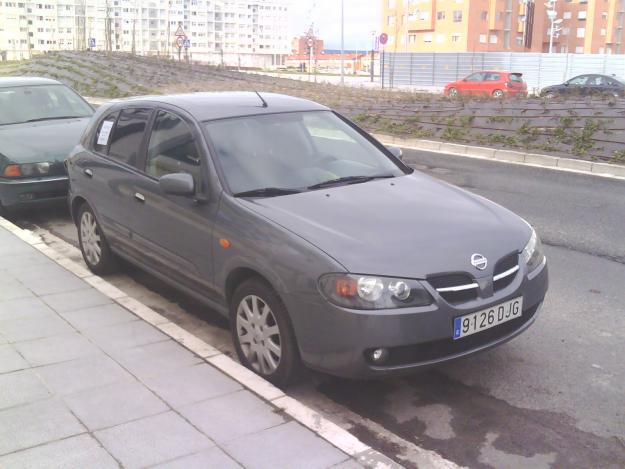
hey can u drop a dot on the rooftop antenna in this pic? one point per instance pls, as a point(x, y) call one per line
point(262, 99)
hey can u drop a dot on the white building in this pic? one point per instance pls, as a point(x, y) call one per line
point(234, 32)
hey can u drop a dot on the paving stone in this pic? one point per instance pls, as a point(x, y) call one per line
point(114, 404)
point(41, 422)
point(98, 316)
point(155, 359)
point(49, 279)
point(21, 387)
point(10, 360)
point(23, 307)
point(79, 299)
point(80, 451)
point(56, 349)
point(191, 384)
point(11, 289)
point(209, 459)
point(125, 335)
point(31, 258)
point(33, 327)
point(288, 445)
point(78, 375)
point(152, 440)
point(232, 416)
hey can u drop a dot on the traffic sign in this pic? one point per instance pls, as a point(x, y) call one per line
point(92, 42)
point(179, 42)
point(180, 31)
point(187, 43)
point(383, 38)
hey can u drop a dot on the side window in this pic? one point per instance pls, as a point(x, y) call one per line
point(103, 135)
point(493, 77)
point(172, 148)
point(579, 81)
point(598, 81)
point(475, 77)
point(128, 135)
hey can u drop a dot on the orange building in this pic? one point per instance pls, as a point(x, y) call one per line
point(588, 26)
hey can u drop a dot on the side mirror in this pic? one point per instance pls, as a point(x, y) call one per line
point(177, 184)
point(566, 83)
point(396, 152)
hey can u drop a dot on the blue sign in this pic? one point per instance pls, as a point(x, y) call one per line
point(92, 42)
point(187, 43)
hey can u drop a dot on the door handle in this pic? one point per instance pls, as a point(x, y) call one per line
point(88, 172)
point(139, 197)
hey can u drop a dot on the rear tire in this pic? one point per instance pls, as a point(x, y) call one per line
point(497, 94)
point(93, 245)
point(262, 333)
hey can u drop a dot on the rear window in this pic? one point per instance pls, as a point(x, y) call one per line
point(518, 77)
point(125, 142)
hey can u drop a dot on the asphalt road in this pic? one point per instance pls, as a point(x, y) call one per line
point(553, 397)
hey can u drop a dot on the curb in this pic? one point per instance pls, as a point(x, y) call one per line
point(607, 170)
point(322, 427)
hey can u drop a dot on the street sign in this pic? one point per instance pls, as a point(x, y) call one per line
point(187, 43)
point(383, 38)
point(179, 42)
point(180, 31)
point(311, 42)
point(92, 42)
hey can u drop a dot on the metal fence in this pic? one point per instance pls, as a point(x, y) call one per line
point(423, 70)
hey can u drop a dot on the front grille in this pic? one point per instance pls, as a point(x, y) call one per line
point(455, 288)
point(445, 347)
point(505, 268)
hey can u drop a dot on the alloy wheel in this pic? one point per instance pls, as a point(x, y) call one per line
point(90, 238)
point(258, 334)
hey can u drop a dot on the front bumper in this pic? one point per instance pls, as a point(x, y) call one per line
point(335, 340)
point(24, 193)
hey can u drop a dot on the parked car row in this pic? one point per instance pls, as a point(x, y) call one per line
point(500, 84)
point(317, 242)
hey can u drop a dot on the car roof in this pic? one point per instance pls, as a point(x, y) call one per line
point(222, 105)
point(26, 81)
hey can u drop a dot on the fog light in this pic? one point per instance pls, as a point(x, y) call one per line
point(378, 355)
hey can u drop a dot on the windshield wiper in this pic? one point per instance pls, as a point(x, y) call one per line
point(348, 180)
point(267, 192)
point(53, 118)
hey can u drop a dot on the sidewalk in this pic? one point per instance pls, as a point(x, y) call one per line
point(84, 383)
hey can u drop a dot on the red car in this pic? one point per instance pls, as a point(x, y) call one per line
point(493, 83)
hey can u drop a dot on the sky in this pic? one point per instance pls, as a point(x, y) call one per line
point(361, 18)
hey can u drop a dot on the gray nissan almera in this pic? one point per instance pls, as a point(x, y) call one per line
point(318, 243)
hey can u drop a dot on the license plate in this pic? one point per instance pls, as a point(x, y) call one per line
point(487, 318)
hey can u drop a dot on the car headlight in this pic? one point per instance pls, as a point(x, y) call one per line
point(533, 252)
point(26, 170)
point(373, 292)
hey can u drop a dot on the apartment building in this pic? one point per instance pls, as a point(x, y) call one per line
point(587, 26)
point(249, 33)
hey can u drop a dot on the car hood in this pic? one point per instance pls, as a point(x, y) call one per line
point(40, 141)
point(411, 226)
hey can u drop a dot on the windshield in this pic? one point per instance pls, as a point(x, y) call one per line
point(21, 104)
point(295, 151)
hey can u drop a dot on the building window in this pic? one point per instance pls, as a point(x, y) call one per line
point(581, 15)
point(566, 15)
point(427, 38)
point(482, 38)
point(457, 16)
point(390, 21)
point(440, 38)
point(579, 50)
point(506, 39)
point(484, 16)
point(440, 15)
point(603, 31)
point(391, 4)
point(493, 39)
point(604, 15)
point(412, 39)
point(566, 31)
point(455, 37)
point(581, 32)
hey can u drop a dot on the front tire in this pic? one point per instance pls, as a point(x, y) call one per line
point(262, 333)
point(93, 245)
point(452, 93)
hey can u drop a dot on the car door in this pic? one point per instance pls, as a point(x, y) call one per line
point(577, 85)
point(473, 84)
point(492, 82)
point(111, 175)
point(175, 231)
point(614, 87)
